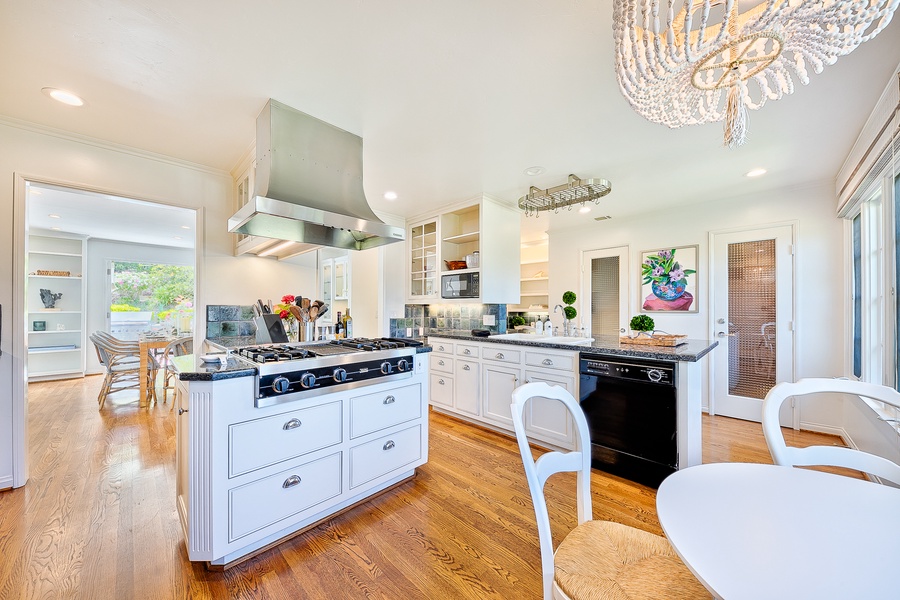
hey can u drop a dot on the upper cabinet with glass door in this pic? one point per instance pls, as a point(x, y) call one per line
point(475, 238)
point(423, 249)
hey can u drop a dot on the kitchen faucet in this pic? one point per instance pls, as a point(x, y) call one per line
point(556, 309)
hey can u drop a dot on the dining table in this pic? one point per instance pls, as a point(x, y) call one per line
point(149, 343)
point(754, 531)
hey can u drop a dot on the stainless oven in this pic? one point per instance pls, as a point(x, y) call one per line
point(460, 285)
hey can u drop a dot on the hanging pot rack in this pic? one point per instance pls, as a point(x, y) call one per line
point(575, 191)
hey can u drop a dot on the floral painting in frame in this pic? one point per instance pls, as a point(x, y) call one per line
point(669, 279)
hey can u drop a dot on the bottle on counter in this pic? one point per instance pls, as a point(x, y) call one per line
point(348, 324)
point(539, 326)
point(338, 327)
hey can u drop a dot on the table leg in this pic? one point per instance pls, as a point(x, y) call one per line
point(143, 403)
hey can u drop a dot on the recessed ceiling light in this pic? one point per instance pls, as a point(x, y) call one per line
point(176, 237)
point(54, 216)
point(755, 173)
point(55, 229)
point(584, 210)
point(390, 195)
point(532, 171)
point(185, 227)
point(63, 96)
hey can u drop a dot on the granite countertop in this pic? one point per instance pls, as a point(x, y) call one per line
point(191, 368)
point(692, 351)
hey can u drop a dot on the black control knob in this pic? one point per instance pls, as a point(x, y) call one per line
point(654, 375)
point(281, 384)
point(340, 375)
point(308, 380)
point(386, 368)
point(402, 365)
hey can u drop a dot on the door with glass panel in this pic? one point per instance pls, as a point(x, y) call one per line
point(604, 294)
point(752, 283)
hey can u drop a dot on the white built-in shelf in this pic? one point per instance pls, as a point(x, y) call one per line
point(54, 312)
point(459, 271)
point(533, 294)
point(54, 253)
point(535, 279)
point(55, 276)
point(533, 262)
point(49, 350)
point(463, 238)
point(55, 331)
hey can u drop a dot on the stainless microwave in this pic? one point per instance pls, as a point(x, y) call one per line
point(461, 285)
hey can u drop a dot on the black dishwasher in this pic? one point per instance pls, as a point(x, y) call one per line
point(631, 412)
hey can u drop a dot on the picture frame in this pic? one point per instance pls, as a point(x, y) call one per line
point(669, 280)
point(39, 325)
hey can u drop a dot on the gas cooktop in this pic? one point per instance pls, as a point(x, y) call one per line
point(289, 372)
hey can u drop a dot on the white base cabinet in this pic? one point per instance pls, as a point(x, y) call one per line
point(502, 368)
point(248, 477)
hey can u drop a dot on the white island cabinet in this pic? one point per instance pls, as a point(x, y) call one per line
point(250, 477)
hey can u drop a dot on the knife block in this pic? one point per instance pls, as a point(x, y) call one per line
point(270, 329)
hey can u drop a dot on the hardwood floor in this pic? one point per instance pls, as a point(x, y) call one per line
point(97, 518)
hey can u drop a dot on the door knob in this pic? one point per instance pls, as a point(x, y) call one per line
point(723, 334)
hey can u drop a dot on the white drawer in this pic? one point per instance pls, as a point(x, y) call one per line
point(277, 497)
point(376, 411)
point(442, 364)
point(467, 350)
point(551, 360)
point(385, 454)
point(262, 442)
point(501, 353)
point(441, 389)
point(442, 347)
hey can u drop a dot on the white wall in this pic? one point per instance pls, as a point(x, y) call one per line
point(99, 253)
point(44, 155)
point(819, 313)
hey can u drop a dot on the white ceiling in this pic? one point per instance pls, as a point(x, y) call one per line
point(452, 99)
point(109, 217)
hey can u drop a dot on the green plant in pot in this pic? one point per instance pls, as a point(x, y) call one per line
point(569, 311)
point(641, 324)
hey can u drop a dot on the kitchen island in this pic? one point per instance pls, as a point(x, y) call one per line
point(257, 464)
point(473, 378)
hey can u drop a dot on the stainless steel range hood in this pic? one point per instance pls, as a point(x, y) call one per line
point(309, 185)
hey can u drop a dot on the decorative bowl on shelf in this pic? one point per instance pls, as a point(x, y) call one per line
point(455, 265)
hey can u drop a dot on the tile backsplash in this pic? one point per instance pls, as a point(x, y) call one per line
point(447, 318)
point(229, 320)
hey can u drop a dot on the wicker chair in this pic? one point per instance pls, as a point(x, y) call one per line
point(597, 559)
point(121, 360)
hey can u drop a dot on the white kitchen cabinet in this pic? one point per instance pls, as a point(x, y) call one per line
point(334, 283)
point(483, 226)
point(499, 383)
point(534, 280)
point(56, 336)
point(502, 368)
point(248, 477)
point(466, 396)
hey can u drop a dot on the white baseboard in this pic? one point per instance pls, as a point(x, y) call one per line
point(6, 482)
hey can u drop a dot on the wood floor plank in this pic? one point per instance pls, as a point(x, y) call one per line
point(97, 518)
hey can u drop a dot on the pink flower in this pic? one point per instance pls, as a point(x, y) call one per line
point(288, 299)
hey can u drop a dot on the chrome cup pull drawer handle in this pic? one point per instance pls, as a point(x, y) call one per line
point(389, 400)
point(466, 368)
point(546, 361)
point(441, 348)
point(467, 351)
point(388, 445)
point(441, 381)
point(500, 355)
point(292, 424)
point(291, 481)
point(440, 362)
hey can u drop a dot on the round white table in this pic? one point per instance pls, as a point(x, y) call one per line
point(765, 532)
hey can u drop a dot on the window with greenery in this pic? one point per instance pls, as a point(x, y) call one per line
point(161, 293)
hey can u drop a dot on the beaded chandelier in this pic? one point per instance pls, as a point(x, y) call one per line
point(688, 62)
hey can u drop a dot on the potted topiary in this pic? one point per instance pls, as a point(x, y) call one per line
point(641, 324)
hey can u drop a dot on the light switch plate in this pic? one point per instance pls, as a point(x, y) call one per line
point(489, 320)
point(409, 332)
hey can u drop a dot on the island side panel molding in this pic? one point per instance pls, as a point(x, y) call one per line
point(690, 425)
point(200, 497)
